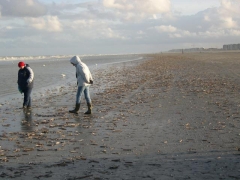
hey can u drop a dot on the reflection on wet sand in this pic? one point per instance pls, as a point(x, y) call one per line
point(175, 116)
point(26, 123)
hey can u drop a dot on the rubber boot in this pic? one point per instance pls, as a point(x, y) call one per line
point(77, 107)
point(89, 111)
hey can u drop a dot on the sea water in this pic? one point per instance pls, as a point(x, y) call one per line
point(50, 71)
point(52, 74)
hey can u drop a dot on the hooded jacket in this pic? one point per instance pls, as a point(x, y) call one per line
point(25, 77)
point(82, 71)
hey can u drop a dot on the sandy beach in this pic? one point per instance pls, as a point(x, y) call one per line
point(173, 116)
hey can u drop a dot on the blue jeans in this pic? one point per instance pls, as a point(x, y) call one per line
point(27, 97)
point(80, 91)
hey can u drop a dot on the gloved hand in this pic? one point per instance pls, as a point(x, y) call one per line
point(19, 89)
point(91, 82)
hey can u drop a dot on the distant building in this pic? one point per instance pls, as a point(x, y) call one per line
point(226, 47)
point(231, 47)
point(188, 50)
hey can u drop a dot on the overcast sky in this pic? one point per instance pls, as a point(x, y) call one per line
point(67, 27)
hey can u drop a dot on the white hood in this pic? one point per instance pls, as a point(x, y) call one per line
point(82, 71)
point(75, 60)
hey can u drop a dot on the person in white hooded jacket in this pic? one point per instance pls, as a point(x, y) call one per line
point(84, 80)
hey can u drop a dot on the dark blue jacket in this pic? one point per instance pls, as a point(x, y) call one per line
point(25, 78)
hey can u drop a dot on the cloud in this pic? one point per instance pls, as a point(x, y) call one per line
point(94, 29)
point(143, 6)
point(109, 33)
point(136, 10)
point(229, 13)
point(22, 8)
point(226, 16)
point(235, 32)
point(48, 23)
point(166, 28)
point(228, 22)
point(209, 25)
point(174, 32)
point(124, 23)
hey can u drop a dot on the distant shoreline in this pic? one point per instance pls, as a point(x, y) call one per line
point(198, 50)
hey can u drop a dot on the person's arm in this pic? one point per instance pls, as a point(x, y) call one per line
point(31, 76)
point(90, 78)
point(19, 89)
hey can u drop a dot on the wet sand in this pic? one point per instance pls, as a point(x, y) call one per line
point(174, 116)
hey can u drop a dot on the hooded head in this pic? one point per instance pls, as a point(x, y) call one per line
point(75, 60)
point(20, 64)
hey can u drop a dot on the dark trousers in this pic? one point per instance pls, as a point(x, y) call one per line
point(27, 97)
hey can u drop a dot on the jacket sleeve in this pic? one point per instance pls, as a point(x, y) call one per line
point(31, 75)
point(18, 78)
point(90, 76)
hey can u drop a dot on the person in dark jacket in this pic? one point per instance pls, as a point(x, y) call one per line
point(25, 83)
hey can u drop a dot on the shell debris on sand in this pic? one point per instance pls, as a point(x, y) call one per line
point(129, 132)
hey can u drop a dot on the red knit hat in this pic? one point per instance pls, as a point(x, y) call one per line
point(20, 64)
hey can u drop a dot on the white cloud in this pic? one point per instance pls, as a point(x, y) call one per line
point(235, 32)
point(109, 33)
point(126, 23)
point(218, 32)
point(138, 8)
point(207, 18)
point(166, 28)
point(48, 23)
point(174, 32)
point(228, 22)
point(175, 35)
point(190, 7)
point(154, 16)
point(229, 13)
point(220, 22)
point(30, 2)
point(94, 29)
point(9, 27)
point(226, 4)
point(22, 8)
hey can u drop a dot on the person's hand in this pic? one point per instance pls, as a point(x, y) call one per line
point(91, 82)
point(19, 89)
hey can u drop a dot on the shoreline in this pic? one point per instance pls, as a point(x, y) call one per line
point(174, 116)
point(53, 74)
